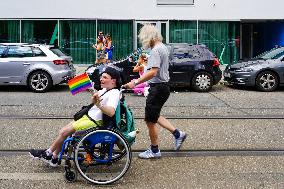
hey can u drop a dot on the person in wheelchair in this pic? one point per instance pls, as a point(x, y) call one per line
point(105, 102)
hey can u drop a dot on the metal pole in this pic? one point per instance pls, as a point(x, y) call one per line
point(135, 35)
point(58, 33)
point(168, 31)
point(20, 31)
point(197, 30)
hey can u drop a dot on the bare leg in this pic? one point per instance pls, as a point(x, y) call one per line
point(153, 133)
point(63, 134)
point(163, 122)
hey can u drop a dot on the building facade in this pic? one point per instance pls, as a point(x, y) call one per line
point(233, 30)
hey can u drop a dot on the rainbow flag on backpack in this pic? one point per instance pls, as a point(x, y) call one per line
point(79, 83)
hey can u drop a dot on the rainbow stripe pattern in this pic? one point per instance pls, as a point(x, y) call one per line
point(79, 83)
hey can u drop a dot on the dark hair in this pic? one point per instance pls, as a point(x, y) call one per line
point(115, 74)
point(101, 38)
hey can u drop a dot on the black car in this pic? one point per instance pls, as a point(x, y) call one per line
point(190, 65)
point(265, 72)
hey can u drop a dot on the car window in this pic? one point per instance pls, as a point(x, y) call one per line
point(180, 52)
point(280, 54)
point(19, 52)
point(2, 49)
point(57, 52)
point(193, 52)
point(205, 53)
point(38, 52)
point(272, 54)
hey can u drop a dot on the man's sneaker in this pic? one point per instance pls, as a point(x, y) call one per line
point(53, 162)
point(148, 154)
point(180, 140)
point(40, 154)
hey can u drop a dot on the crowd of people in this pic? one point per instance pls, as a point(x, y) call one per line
point(104, 48)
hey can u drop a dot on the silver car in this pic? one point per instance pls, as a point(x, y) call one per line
point(37, 66)
point(265, 72)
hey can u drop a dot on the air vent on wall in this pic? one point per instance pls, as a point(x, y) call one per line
point(175, 2)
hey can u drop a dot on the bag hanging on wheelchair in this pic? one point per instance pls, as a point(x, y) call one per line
point(84, 111)
point(125, 121)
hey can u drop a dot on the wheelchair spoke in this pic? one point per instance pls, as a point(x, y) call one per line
point(102, 162)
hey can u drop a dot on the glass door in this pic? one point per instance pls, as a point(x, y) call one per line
point(163, 27)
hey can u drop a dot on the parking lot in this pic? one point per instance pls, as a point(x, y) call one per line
point(235, 139)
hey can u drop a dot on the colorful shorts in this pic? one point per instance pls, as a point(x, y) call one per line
point(85, 123)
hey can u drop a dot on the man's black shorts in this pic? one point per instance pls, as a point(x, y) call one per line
point(158, 95)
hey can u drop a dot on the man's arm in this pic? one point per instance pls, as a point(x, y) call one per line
point(147, 76)
point(108, 110)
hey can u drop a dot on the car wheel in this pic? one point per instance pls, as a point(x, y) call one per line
point(267, 81)
point(202, 82)
point(39, 82)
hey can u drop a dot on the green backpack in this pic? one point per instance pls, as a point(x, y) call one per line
point(125, 121)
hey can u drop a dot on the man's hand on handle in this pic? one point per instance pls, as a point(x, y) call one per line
point(129, 85)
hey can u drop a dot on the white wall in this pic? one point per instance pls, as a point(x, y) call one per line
point(142, 9)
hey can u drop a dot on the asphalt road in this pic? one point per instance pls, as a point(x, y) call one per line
point(235, 139)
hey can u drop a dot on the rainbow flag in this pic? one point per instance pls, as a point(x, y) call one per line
point(79, 83)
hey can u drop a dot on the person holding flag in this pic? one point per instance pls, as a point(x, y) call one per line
point(105, 102)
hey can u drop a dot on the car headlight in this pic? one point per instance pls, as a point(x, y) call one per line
point(244, 69)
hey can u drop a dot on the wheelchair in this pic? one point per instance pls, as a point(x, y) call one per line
point(100, 155)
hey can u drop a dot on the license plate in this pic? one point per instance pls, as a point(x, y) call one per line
point(226, 74)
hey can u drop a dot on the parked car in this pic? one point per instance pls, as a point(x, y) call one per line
point(37, 66)
point(265, 72)
point(190, 65)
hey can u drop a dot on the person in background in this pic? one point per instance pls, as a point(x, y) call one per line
point(141, 68)
point(100, 47)
point(157, 76)
point(101, 35)
point(108, 48)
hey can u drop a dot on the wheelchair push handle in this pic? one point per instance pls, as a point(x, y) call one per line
point(122, 88)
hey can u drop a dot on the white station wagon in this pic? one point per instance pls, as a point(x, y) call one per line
point(37, 66)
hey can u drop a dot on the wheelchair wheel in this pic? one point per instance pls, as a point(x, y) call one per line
point(70, 175)
point(102, 156)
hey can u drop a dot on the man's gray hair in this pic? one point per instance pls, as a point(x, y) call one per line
point(147, 33)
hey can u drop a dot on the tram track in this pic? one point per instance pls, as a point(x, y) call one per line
point(256, 117)
point(184, 153)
